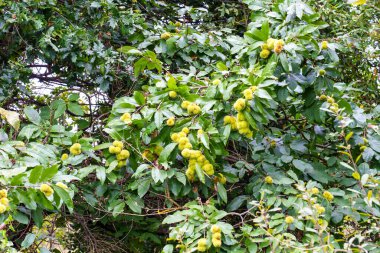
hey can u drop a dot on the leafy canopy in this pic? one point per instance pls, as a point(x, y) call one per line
point(161, 127)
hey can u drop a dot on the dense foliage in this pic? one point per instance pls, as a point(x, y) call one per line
point(183, 126)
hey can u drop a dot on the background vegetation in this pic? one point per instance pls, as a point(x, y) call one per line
point(183, 126)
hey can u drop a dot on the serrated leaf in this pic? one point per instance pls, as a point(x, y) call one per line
point(119, 208)
point(48, 173)
point(59, 107)
point(32, 115)
point(205, 140)
point(139, 66)
point(221, 66)
point(41, 174)
point(236, 203)
point(35, 174)
point(143, 187)
point(222, 193)
point(64, 195)
point(200, 173)
point(83, 172)
point(101, 174)
point(102, 146)
point(172, 83)
point(174, 218)
point(181, 177)
point(134, 205)
point(251, 246)
point(158, 118)
point(75, 108)
point(166, 152)
point(158, 175)
point(139, 98)
point(128, 50)
point(226, 133)
point(250, 119)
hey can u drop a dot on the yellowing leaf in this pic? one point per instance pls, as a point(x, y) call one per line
point(348, 136)
point(369, 194)
point(358, 158)
point(356, 175)
point(357, 2)
point(344, 153)
point(12, 118)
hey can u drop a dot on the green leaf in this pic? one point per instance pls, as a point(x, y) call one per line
point(64, 195)
point(174, 218)
point(82, 124)
point(346, 105)
point(168, 249)
point(143, 187)
point(35, 174)
point(256, 35)
point(284, 62)
point(302, 166)
point(251, 246)
point(166, 152)
point(200, 173)
point(48, 173)
point(75, 108)
point(32, 115)
point(28, 241)
point(268, 69)
point(158, 118)
point(347, 166)
point(299, 145)
point(40, 174)
point(57, 129)
point(261, 93)
point(21, 218)
point(226, 133)
point(265, 30)
point(222, 193)
point(44, 250)
point(139, 66)
point(250, 119)
point(205, 140)
point(221, 66)
point(38, 217)
point(181, 177)
point(59, 106)
point(128, 50)
point(134, 204)
point(83, 172)
point(172, 83)
point(375, 144)
point(119, 208)
point(236, 203)
point(159, 175)
point(73, 97)
point(102, 146)
point(101, 173)
point(139, 98)
point(319, 173)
